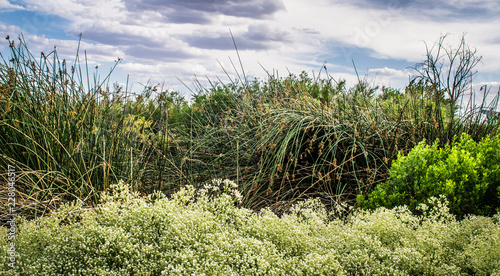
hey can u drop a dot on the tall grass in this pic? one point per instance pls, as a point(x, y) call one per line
point(285, 139)
point(69, 133)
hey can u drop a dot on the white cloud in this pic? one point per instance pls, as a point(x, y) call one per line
point(389, 77)
point(5, 4)
point(387, 73)
point(66, 49)
point(7, 31)
point(10, 30)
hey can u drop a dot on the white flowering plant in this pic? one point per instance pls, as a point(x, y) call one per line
point(204, 232)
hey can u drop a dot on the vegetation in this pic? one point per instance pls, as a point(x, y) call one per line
point(201, 232)
point(301, 152)
point(449, 71)
point(467, 173)
point(280, 140)
point(71, 137)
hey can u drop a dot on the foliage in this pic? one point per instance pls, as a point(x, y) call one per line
point(467, 173)
point(69, 137)
point(200, 231)
point(280, 139)
point(288, 138)
point(295, 137)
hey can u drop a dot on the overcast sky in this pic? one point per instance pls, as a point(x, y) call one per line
point(165, 41)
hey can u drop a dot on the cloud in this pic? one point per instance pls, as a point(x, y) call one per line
point(256, 37)
point(489, 84)
point(387, 73)
point(115, 36)
point(388, 77)
point(188, 16)
point(10, 30)
point(5, 4)
point(438, 11)
point(157, 53)
point(220, 42)
point(168, 75)
point(384, 4)
point(66, 49)
point(264, 33)
point(202, 11)
point(7, 31)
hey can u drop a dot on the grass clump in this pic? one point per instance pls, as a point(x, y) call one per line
point(297, 137)
point(201, 231)
point(70, 134)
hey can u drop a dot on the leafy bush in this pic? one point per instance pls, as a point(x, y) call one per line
point(467, 173)
point(201, 232)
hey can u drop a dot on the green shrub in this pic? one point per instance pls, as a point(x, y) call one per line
point(201, 232)
point(467, 173)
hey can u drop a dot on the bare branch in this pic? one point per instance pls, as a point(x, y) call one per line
point(448, 70)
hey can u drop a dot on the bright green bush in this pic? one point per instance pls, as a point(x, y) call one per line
point(201, 232)
point(467, 173)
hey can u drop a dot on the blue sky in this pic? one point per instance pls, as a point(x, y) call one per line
point(169, 41)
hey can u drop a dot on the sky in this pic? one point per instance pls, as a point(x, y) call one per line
point(174, 42)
